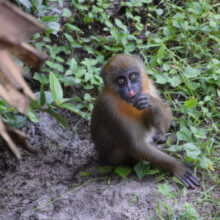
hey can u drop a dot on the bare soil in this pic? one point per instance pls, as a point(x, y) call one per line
point(49, 186)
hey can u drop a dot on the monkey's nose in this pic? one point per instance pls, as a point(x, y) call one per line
point(131, 93)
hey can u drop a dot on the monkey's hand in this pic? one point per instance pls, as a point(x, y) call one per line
point(142, 101)
point(186, 177)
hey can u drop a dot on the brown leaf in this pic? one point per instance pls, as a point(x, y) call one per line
point(13, 97)
point(13, 74)
point(8, 140)
point(25, 52)
point(15, 25)
point(19, 138)
point(14, 137)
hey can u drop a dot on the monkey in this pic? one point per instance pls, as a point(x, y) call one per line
point(127, 115)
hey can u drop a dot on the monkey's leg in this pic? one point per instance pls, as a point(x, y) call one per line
point(162, 139)
point(161, 115)
point(107, 148)
point(165, 162)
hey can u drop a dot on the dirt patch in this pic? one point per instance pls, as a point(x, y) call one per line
point(44, 187)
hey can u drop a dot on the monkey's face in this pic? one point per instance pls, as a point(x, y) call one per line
point(128, 85)
point(123, 74)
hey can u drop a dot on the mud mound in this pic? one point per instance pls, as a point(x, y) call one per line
point(50, 186)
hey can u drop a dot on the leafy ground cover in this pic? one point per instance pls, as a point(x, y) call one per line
point(179, 44)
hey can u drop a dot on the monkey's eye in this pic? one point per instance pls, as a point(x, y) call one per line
point(120, 81)
point(133, 76)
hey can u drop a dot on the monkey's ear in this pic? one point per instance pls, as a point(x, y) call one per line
point(139, 58)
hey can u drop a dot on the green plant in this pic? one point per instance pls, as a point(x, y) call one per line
point(179, 43)
point(11, 116)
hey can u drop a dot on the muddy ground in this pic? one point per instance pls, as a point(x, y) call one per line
point(44, 187)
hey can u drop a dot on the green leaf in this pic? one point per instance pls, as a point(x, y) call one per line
point(159, 11)
point(192, 151)
point(87, 97)
point(105, 169)
point(191, 72)
point(74, 108)
point(49, 18)
point(175, 148)
point(206, 163)
point(141, 169)
point(129, 47)
point(181, 136)
point(70, 81)
point(85, 173)
point(73, 65)
point(26, 3)
point(175, 81)
point(56, 66)
point(32, 115)
point(87, 19)
point(48, 97)
point(35, 104)
point(42, 78)
point(72, 28)
point(16, 121)
point(165, 190)
point(67, 13)
point(56, 89)
point(70, 107)
point(54, 26)
point(161, 54)
point(191, 103)
point(73, 43)
point(161, 79)
point(169, 32)
point(199, 132)
point(166, 67)
point(123, 171)
point(121, 25)
point(190, 212)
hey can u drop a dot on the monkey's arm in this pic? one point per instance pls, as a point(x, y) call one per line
point(166, 162)
point(156, 111)
point(159, 114)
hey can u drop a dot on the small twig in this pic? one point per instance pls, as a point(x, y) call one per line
point(67, 193)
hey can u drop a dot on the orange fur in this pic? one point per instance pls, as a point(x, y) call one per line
point(145, 84)
point(125, 108)
point(128, 110)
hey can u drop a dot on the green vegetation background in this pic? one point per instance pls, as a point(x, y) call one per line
point(179, 44)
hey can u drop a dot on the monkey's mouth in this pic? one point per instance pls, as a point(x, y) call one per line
point(130, 96)
point(130, 99)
